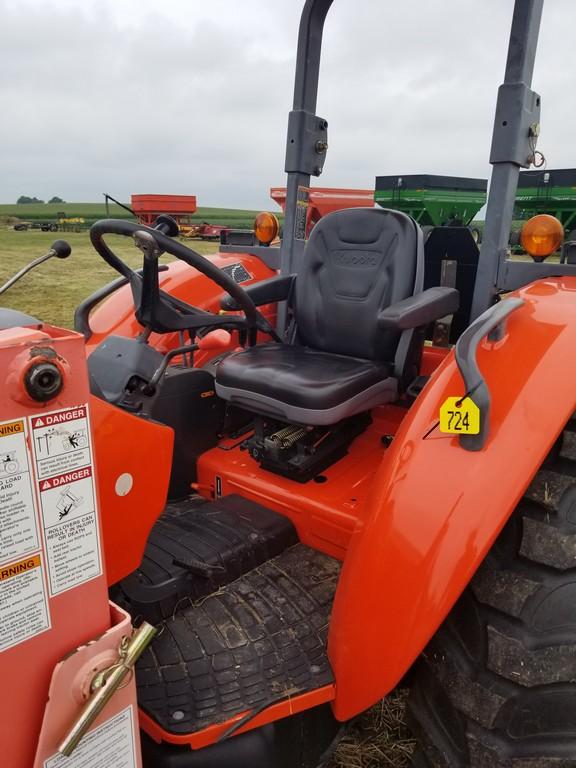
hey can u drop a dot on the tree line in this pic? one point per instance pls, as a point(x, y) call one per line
point(25, 200)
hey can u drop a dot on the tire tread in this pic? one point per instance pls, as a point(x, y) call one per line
point(497, 684)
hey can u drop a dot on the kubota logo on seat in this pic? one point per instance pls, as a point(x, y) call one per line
point(356, 259)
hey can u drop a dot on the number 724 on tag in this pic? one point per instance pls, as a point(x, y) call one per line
point(459, 416)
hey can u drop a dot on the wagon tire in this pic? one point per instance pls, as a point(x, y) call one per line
point(476, 235)
point(496, 687)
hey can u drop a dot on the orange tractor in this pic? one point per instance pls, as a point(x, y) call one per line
point(261, 461)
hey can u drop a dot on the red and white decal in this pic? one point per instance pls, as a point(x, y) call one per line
point(61, 441)
point(64, 471)
point(23, 604)
point(18, 526)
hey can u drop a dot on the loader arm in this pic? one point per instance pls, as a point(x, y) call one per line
point(420, 541)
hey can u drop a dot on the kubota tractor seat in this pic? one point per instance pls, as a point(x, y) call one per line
point(358, 305)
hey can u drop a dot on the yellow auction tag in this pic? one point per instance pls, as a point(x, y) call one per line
point(459, 416)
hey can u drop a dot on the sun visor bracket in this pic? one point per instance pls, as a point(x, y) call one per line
point(516, 126)
point(307, 143)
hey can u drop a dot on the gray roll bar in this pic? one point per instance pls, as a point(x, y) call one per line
point(516, 128)
point(305, 131)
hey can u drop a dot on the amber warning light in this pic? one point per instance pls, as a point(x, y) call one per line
point(541, 236)
point(266, 228)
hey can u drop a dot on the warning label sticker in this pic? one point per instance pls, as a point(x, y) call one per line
point(61, 441)
point(111, 745)
point(23, 604)
point(66, 486)
point(301, 216)
point(18, 526)
point(66, 496)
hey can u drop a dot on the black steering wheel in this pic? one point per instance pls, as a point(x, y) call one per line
point(159, 311)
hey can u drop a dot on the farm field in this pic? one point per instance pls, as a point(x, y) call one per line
point(53, 291)
point(56, 288)
point(241, 219)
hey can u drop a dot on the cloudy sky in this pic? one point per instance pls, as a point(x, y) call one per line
point(192, 96)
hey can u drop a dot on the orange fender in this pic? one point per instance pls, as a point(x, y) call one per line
point(134, 458)
point(435, 508)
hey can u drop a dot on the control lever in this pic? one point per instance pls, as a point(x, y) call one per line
point(216, 339)
point(60, 249)
point(219, 339)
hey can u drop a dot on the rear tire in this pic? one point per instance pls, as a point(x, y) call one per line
point(496, 687)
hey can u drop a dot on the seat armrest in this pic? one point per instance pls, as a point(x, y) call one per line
point(268, 291)
point(419, 310)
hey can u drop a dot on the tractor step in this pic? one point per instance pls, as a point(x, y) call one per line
point(198, 546)
point(250, 644)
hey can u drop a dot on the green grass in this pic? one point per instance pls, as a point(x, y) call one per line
point(239, 219)
point(53, 290)
point(36, 212)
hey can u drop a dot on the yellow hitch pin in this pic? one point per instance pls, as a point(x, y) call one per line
point(107, 685)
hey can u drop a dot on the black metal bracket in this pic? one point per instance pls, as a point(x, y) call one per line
point(490, 324)
point(307, 143)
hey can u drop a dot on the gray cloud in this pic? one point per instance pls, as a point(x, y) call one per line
point(177, 97)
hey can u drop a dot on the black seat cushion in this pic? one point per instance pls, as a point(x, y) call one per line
point(300, 376)
point(356, 263)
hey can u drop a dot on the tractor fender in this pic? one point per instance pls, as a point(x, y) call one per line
point(436, 508)
point(134, 458)
point(116, 315)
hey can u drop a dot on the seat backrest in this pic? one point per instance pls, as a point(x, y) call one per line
point(357, 262)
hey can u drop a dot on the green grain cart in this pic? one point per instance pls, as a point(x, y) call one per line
point(552, 192)
point(434, 201)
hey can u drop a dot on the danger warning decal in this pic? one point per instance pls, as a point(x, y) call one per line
point(18, 518)
point(69, 477)
point(61, 441)
point(23, 604)
point(63, 458)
